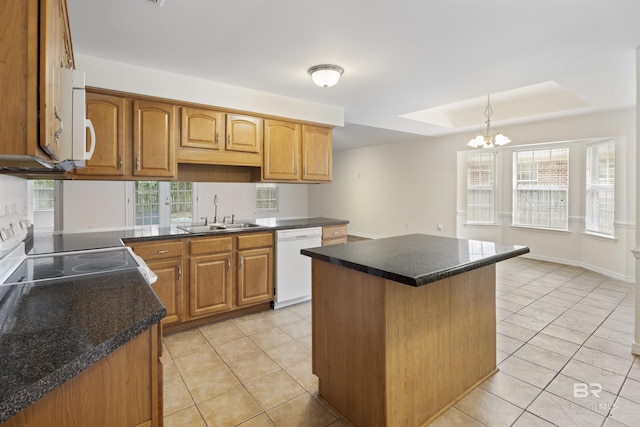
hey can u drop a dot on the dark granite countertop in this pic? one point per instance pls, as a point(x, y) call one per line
point(52, 330)
point(416, 259)
point(42, 243)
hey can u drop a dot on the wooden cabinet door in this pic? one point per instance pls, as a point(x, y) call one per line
point(202, 128)
point(255, 276)
point(51, 36)
point(281, 150)
point(210, 284)
point(316, 153)
point(244, 133)
point(168, 287)
point(107, 113)
point(154, 139)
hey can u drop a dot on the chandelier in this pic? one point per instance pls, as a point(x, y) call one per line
point(488, 138)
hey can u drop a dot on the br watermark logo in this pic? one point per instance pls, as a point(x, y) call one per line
point(591, 391)
point(583, 390)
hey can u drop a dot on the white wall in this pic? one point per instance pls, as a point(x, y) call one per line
point(103, 205)
point(124, 77)
point(13, 196)
point(412, 188)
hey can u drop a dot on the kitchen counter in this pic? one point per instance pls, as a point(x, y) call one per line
point(403, 327)
point(52, 330)
point(42, 243)
point(416, 259)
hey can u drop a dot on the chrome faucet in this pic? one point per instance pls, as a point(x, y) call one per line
point(215, 209)
point(206, 220)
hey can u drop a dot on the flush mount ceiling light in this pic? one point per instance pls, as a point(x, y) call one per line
point(325, 75)
point(488, 138)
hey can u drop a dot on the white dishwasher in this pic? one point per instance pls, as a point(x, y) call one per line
point(293, 270)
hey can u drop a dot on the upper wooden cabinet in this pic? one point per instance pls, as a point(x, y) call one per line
point(57, 54)
point(244, 133)
point(109, 116)
point(281, 150)
point(154, 139)
point(316, 153)
point(36, 42)
point(294, 152)
point(214, 137)
point(135, 138)
point(202, 128)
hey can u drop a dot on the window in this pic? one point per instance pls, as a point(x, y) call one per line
point(181, 202)
point(163, 203)
point(267, 197)
point(541, 188)
point(481, 188)
point(600, 187)
point(43, 195)
point(147, 208)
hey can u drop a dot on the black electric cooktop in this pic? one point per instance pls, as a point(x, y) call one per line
point(72, 264)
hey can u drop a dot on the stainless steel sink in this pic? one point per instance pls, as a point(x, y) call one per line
point(216, 228)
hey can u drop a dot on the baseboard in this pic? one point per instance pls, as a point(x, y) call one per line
point(611, 274)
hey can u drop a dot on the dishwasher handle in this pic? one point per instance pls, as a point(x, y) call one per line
point(299, 234)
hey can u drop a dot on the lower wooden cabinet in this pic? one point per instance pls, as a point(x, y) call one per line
point(168, 287)
point(255, 276)
point(122, 389)
point(210, 284)
point(205, 276)
point(165, 259)
point(334, 235)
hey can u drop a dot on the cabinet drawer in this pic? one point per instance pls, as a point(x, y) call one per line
point(334, 232)
point(255, 240)
point(158, 250)
point(210, 245)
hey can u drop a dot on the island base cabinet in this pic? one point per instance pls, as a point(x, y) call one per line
point(122, 389)
point(389, 354)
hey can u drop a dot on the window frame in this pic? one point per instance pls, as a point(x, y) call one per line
point(50, 190)
point(493, 188)
point(275, 200)
point(164, 205)
point(592, 173)
point(534, 181)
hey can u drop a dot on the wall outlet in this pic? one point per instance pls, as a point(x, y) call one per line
point(440, 227)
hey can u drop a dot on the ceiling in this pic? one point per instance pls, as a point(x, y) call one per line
point(538, 59)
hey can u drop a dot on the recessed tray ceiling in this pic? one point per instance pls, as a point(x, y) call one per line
point(541, 98)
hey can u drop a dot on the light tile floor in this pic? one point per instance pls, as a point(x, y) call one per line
point(564, 339)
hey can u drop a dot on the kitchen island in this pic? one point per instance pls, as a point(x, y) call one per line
point(403, 327)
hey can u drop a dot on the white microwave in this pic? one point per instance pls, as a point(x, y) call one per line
point(73, 139)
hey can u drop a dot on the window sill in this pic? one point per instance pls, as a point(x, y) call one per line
point(600, 236)
point(481, 224)
point(557, 230)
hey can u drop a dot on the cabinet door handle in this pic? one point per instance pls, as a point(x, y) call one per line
point(241, 262)
point(217, 137)
point(179, 272)
point(228, 140)
point(163, 251)
point(57, 133)
point(228, 263)
point(137, 163)
point(121, 162)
